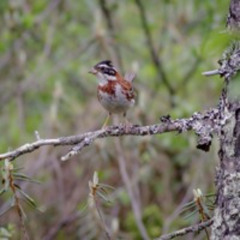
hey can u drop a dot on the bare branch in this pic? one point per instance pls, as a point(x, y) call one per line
point(184, 231)
point(211, 73)
point(188, 76)
point(76, 149)
point(203, 124)
point(122, 163)
point(155, 59)
point(37, 135)
point(52, 5)
point(107, 13)
point(68, 220)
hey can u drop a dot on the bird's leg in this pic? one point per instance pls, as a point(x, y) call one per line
point(106, 120)
point(127, 124)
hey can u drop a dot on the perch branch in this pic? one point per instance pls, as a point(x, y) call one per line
point(184, 231)
point(203, 124)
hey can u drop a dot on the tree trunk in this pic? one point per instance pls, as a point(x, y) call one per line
point(226, 223)
point(227, 214)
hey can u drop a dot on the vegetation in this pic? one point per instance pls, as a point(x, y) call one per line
point(47, 48)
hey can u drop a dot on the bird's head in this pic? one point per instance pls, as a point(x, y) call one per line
point(104, 71)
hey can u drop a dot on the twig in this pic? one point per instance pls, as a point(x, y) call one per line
point(204, 126)
point(135, 204)
point(76, 149)
point(37, 135)
point(198, 198)
point(94, 206)
point(169, 219)
point(190, 73)
point(184, 231)
point(18, 206)
point(211, 73)
point(50, 8)
point(68, 220)
point(110, 24)
point(155, 59)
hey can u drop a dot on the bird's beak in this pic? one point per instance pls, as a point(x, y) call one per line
point(93, 71)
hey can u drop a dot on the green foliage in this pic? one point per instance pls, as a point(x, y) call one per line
point(46, 50)
point(152, 219)
point(202, 205)
point(6, 233)
point(10, 177)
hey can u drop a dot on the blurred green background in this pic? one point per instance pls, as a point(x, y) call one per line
point(46, 50)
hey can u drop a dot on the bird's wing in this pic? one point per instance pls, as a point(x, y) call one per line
point(127, 89)
point(129, 76)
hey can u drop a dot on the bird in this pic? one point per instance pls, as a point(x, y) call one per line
point(115, 92)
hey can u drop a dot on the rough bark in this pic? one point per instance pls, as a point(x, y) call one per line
point(226, 223)
point(233, 21)
point(227, 218)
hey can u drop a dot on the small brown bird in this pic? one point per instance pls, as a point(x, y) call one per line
point(114, 92)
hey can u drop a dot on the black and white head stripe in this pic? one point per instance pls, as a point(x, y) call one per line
point(106, 63)
point(106, 67)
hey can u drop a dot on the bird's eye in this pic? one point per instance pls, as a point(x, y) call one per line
point(102, 69)
point(112, 72)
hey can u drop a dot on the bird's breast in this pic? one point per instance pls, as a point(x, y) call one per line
point(114, 98)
